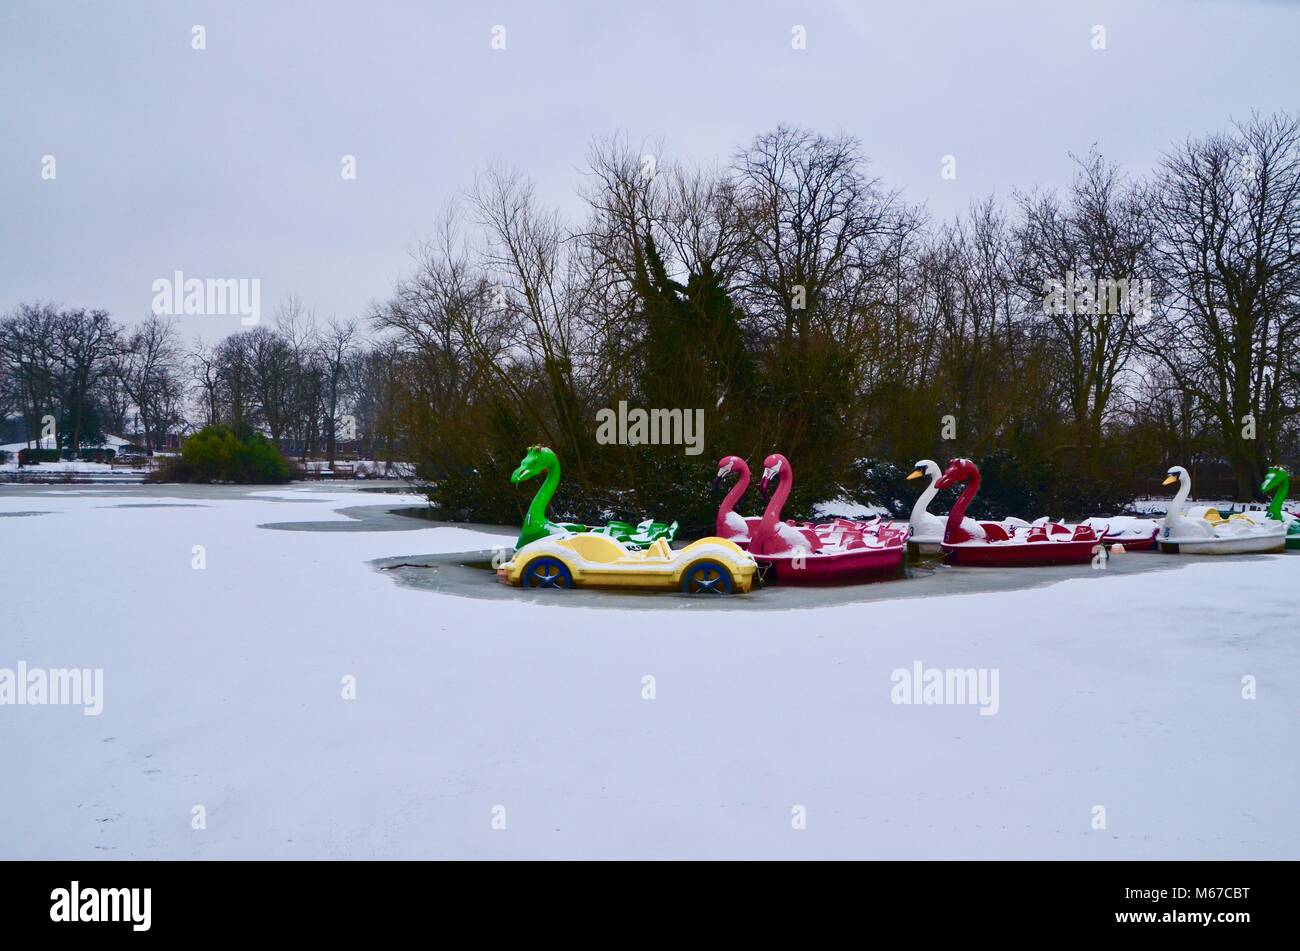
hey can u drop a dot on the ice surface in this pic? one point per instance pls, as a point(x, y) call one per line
point(223, 689)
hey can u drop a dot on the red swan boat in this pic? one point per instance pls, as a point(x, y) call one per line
point(801, 554)
point(1042, 543)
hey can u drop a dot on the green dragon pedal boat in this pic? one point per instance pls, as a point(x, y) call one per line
point(542, 459)
point(1277, 481)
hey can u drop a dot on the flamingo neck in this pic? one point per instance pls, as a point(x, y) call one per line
point(772, 514)
point(729, 503)
point(953, 532)
point(923, 503)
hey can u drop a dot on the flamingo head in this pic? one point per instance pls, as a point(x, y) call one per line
point(726, 466)
point(926, 467)
point(959, 471)
point(538, 460)
point(773, 467)
point(1175, 474)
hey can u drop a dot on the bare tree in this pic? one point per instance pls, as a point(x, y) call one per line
point(26, 348)
point(272, 367)
point(336, 347)
point(147, 368)
point(83, 344)
point(1099, 237)
point(1227, 223)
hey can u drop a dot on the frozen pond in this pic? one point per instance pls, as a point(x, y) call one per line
point(260, 665)
point(469, 575)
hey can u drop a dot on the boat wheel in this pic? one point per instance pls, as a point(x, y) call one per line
point(547, 573)
point(706, 577)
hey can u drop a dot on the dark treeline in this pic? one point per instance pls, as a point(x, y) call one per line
point(296, 381)
point(1076, 342)
point(807, 308)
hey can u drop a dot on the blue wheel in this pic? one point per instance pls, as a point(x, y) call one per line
point(547, 573)
point(706, 577)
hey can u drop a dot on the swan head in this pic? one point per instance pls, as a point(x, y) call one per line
point(926, 467)
point(773, 467)
point(538, 460)
point(1177, 474)
point(726, 466)
point(959, 471)
point(1276, 476)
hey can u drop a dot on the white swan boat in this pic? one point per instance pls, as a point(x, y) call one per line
point(927, 529)
point(1210, 534)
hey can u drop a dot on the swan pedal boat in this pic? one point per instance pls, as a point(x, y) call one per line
point(1136, 534)
point(1211, 533)
point(708, 566)
point(1042, 543)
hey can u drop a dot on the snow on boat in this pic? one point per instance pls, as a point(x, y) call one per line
point(542, 460)
point(1211, 534)
point(733, 526)
point(800, 554)
point(1135, 534)
point(927, 529)
point(1042, 543)
point(730, 524)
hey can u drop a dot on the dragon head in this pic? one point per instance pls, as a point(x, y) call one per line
point(538, 460)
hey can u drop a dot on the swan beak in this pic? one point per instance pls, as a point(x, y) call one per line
point(916, 474)
point(1170, 481)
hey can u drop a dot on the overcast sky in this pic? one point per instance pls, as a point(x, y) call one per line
point(225, 162)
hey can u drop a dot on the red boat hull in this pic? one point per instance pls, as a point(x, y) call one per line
point(1021, 554)
point(866, 564)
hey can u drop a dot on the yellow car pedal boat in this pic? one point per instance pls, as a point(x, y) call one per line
point(708, 566)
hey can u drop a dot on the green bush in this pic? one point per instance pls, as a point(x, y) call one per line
point(28, 457)
point(222, 454)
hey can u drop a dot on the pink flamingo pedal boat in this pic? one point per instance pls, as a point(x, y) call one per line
point(791, 553)
point(1042, 543)
point(737, 528)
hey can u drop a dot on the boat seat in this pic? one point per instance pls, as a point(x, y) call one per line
point(600, 549)
point(994, 532)
point(660, 549)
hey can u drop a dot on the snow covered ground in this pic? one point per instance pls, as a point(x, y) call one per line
point(223, 697)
